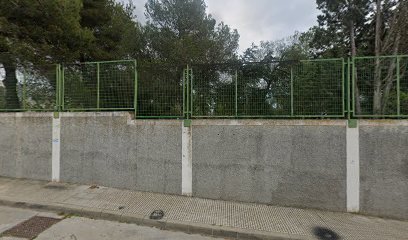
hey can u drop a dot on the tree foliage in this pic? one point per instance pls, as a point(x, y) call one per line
point(278, 83)
point(180, 31)
point(365, 28)
point(33, 33)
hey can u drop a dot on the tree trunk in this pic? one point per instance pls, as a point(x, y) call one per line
point(10, 84)
point(377, 75)
point(392, 68)
point(354, 54)
point(389, 81)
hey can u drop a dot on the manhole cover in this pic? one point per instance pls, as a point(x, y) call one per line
point(157, 215)
point(31, 228)
point(325, 234)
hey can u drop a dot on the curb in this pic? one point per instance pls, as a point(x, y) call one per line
point(170, 225)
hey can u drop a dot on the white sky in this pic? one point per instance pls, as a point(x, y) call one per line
point(258, 20)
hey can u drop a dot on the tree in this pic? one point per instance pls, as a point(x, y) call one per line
point(342, 26)
point(341, 31)
point(275, 82)
point(389, 39)
point(115, 31)
point(365, 27)
point(181, 31)
point(34, 33)
point(37, 32)
point(295, 47)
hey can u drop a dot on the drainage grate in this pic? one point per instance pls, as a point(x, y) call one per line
point(325, 234)
point(31, 228)
point(157, 214)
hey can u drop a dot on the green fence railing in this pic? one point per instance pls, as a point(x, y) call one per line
point(313, 88)
point(29, 88)
point(361, 87)
point(380, 87)
point(159, 91)
point(98, 86)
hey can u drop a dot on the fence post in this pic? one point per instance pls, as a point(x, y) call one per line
point(398, 87)
point(186, 139)
point(236, 93)
point(62, 88)
point(187, 96)
point(24, 97)
point(97, 86)
point(353, 85)
point(57, 88)
point(136, 89)
point(187, 116)
point(292, 111)
point(344, 85)
point(190, 91)
point(348, 88)
point(184, 92)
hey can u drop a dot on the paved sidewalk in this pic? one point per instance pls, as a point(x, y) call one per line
point(192, 215)
point(79, 228)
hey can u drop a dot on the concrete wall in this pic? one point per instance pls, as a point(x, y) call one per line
point(384, 168)
point(290, 165)
point(25, 145)
point(313, 164)
point(109, 150)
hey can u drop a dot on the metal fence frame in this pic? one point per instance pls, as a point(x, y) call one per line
point(353, 74)
point(24, 97)
point(157, 68)
point(348, 93)
point(62, 84)
point(190, 86)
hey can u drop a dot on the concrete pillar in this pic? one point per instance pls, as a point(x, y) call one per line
point(187, 159)
point(353, 167)
point(56, 146)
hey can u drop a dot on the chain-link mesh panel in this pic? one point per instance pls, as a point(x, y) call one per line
point(80, 87)
point(318, 88)
point(403, 76)
point(40, 89)
point(264, 89)
point(275, 89)
point(214, 90)
point(117, 85)
point(160, 91)
point(376, 90)
point(28, 88)
point(314, 88)
point(99, 86)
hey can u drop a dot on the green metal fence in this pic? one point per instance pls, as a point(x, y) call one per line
point(361, 87)
point(35, 89)
point(159, 91)
point(213, 90)
point(380, 87)
point(275, 89)
point(98, 86)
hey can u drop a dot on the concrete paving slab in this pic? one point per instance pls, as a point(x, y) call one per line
point(9, 217)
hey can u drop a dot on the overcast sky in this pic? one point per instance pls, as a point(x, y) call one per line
point(258, 20)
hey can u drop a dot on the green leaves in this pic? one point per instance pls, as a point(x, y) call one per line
point(181, 31)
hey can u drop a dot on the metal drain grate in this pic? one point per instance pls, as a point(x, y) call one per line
point(157, 214)
point(31, 228)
